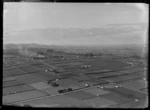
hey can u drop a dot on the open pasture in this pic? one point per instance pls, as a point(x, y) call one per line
point(22, 96)
point(99, 102)
point(42, 66)
point(136, 85)
point(16, 89)
point(96, 91)
point(29, 69)
point(56, 101)
point(28, 78)
point(128, 93)
point(46, 75)
point(11, 83)
point(80, 95)
point(12, 72)
point(69, 83)
point(117, 98)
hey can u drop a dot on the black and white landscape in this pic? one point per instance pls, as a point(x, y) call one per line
point(89, 55)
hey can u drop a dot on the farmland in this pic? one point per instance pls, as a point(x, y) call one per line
point(63, 79)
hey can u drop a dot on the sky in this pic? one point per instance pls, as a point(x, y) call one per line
point(23, 15)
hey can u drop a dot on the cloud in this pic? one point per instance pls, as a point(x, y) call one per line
point(143, 8)
point(144, 11)
point(144, 18)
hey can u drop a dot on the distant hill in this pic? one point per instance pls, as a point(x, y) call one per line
point(16, 46)
point(105, 35)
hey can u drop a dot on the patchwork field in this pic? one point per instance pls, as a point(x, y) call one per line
point(22, 96)
point(72, 81)
point(56, 101)
point(81, 95)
